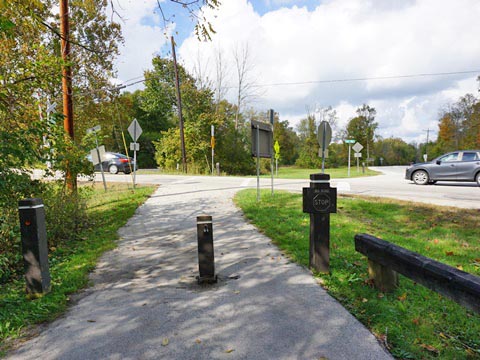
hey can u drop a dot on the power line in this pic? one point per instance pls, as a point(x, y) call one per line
point(370, 78)
point(391, 77)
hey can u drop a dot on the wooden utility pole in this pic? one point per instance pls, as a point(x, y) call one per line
point(67, 83)
point(179, 107)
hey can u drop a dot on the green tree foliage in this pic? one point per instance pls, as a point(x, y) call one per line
point(459, 126)
point(308, 147)
point(362, 127)
point(288, 141)
point(308, 150)
point(157, 114)
point(30, 76)
point(394, 151)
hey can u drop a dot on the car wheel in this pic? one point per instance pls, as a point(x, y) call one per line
point(477, 179)
point(420, 177)
point(113, 169)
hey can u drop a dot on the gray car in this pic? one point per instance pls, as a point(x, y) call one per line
point(462, 165)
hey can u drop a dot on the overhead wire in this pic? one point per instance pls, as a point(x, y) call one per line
point(326, 81)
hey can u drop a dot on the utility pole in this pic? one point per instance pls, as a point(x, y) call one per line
point(425, 156)
point(67, 84)
point(179, 106)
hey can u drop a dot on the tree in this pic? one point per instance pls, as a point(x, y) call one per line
point(203, 28)
point(459, 125)
point(245, 84)
point(329, 115)
point(288, 141)
point(308, 150)
point(394, 151)
point(446, 134)
point(362, 127)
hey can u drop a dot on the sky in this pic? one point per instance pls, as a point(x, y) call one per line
point(311, 54)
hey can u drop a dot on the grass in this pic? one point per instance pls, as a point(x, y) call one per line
point(284, 172)
point(412, 322)
point(70, 263)
point(293, 172)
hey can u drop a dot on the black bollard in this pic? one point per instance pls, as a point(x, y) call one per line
point(206, 258)
point(319, 200)
point(34, 246)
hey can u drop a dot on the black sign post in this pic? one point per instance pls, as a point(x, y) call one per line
point(34, 246)
point(262, 145)
point(319, 200)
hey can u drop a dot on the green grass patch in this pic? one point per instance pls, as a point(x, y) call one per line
point(70, 262)
point(284, 172)
point(293, 172)
point(412, 322)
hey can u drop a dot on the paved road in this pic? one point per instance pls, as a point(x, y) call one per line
point(145, 303)
point(390, 184)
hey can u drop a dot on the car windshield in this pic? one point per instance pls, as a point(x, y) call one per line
point(449, 157)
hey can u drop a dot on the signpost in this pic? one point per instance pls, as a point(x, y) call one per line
point(135, 131)
point(98, 155)
point(320, 200)
point(349, 142)
point(212, 143)
point(324, 136)
point(276, 147)
point(271, 117)
point(262, 138)
point(357, 148)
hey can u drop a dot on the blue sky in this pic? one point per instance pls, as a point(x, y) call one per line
point(309, 42)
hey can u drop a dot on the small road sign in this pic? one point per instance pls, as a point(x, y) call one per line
point(357, 147)
point(357, 155)
point(350, 141)
point(135, 146)
point(94, 129)
point(135, 130)
point(98, 155)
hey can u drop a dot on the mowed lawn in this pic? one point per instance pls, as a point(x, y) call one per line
point(292, 172)
point(412, 322)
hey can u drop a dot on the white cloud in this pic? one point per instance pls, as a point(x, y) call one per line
point(343, 39)
point(143, 34)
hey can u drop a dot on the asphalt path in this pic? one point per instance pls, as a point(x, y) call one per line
point(146, 304)
point(391, 183)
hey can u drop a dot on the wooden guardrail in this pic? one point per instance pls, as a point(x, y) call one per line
point(385, 260)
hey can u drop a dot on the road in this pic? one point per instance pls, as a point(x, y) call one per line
point(390, 184)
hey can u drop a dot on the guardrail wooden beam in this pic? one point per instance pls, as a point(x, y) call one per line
point(460, 286)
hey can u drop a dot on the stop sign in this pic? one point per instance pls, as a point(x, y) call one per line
point(324, 134)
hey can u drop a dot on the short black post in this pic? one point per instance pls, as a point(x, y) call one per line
point(319, 200)
point(34, 246)
point(206, 258)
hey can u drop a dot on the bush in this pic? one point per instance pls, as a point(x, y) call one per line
point(65, 214)
point(21, 150)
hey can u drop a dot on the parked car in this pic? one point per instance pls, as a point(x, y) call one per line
point(115, 162)
point(462, 165)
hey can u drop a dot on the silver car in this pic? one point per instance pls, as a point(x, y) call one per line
point(461, 165)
